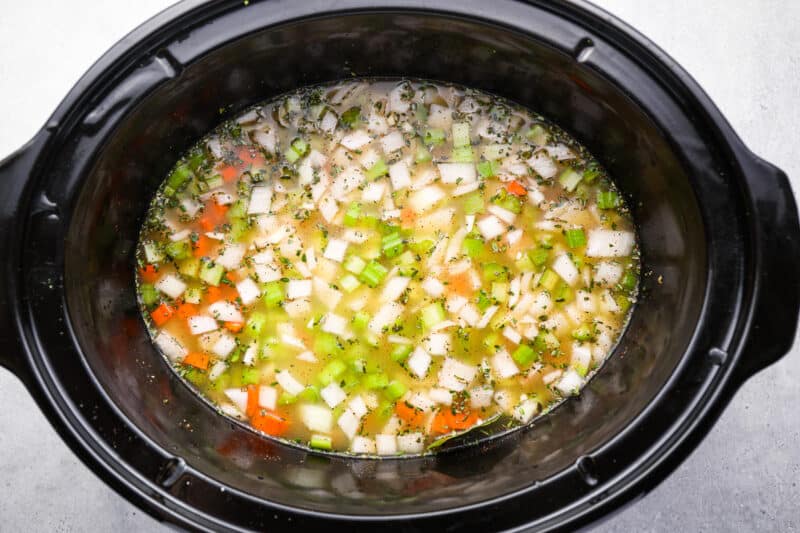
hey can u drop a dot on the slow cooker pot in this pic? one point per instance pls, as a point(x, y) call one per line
point(718, 228)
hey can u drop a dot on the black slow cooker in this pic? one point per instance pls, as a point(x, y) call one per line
point(718, 228)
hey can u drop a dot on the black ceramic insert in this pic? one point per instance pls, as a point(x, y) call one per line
point(718, 229)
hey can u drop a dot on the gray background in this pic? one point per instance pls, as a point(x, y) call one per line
point(745, 53)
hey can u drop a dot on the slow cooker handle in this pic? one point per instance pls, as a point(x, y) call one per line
point(15, 172)
point(777, 285)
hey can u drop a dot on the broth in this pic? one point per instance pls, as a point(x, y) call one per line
point(376, 266)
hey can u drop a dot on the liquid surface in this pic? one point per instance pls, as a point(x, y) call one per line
point(374, 267)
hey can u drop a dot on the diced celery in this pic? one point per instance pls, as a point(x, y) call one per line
point(563, 293)
point(507, 201)
point(351, 117)
point(400, 352)
point(483, 301)
point(152, 252)
point(211, 272)
point(300, 146)
point(179, 249)
point(607, 199)
point(462, 154)
point(354, 264)
point(524, 263)
point(392, 244)
point(394, 390)
point(326, 344)
point(349, 283)
point(332, 372)
point(583, 333)
point(422, 155)
point(544, 342)
point(193, 295)
point(473, 203)
point(286, 399)
point(350, 380)
point(624, 302)
point(373, 274)
point(433, 136)
point(238, 209)
point(488, 169)
point(250, 376)
point(189, 267)
point(309, 394)
point(537, 134)
point(549, 280)
point(461, 134)
point(375, 381)
point(421, 247)
point(538, 256)
point(353, 214)
point(500, 291)
point(255, 324)
point(273, 293)
point(431, 315)
point(493, 152)
point(291, 155)
point(472, 246)
point(546, 241)
point(361, 319)
point(179, 177)
point(495, 271)
point(575, 237)
point(321, 442)
point(149, 294)
point(239, 227)
point(215, 181)
point(524, 355)
point(628, 281)
point(569, 179)
point(377, 170)
point(492, 342)
point(591, 173)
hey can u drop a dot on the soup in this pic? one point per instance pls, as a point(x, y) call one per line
point(374, 267)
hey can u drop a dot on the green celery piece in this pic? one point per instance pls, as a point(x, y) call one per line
point(149, 294)
point(524, 355)
point(607, 200)
point(377, 170)
point(473, 203)
point(537, 134)
point(461, 134)
point(375, 381)
point(433, 136)
point(250, 376)
point(431, 315)
point(211, 272)
point(472, 246)
point(462, 154)
point(360, 320)
point(584, 332)
point(351, 117)
point(394, 390)
point(353, 214)
point(354, 264)
point(321, 442)
point(179, 249)
point(575, 237)
point(327, 344)
point(400, 352)
point(332, 372)
point(255, 324)
point(538, 255)
point(373, 274)
point(273, 293)
point(488, 169)
point(549, 280)
point(349, 283)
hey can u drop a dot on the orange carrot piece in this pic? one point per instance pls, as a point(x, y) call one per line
point(162, 314)
point(407, 217)
point(202, 246)
point(516, 188)
point(186, 310)
point(270, 422)
point(461, 284)
point(197, 360)
point(149, 273)
point(229, 173)
point(252, 401)
point(213, 294)
point(232, 277)
point(411, 416)
point(447, 421)
point(234, 327)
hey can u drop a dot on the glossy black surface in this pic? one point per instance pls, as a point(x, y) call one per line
point(711, 218)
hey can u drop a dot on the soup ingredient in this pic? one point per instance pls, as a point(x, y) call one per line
point(372, 267)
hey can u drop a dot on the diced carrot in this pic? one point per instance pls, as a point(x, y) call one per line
point(162, 314)
point(252, 401)
point(516, 188)
point(447, 421)
point(197, 360)
point(250, 158)
point(202, 246)
point(213, 215)
point(187, 310)
point(232, 277)
point(149, 273)
point(411, 416)
point(407, 217)
point(234, 327)
point(213, 294)
point(269, 422)
point(461, 284)
point(229, 173)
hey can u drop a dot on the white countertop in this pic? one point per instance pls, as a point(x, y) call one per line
point(745, 476)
